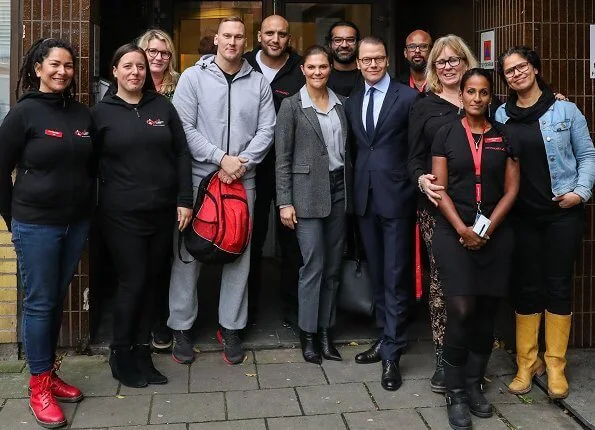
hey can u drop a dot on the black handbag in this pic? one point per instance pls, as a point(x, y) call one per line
point(356, 291)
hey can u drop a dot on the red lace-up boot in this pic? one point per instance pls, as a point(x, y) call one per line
point(61, 390)
point(44, 406)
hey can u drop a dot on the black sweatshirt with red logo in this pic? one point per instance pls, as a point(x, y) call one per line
point(47, 138)
point(144, 161)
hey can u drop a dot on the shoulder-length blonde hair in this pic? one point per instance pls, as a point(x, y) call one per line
point(170, 79)
point(460, 49)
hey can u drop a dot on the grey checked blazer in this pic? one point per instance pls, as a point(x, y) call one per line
point(302, 160)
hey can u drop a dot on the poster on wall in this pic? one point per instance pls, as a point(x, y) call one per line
point(487, 49)
point(592, 60)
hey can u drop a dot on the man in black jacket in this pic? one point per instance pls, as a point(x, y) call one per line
point(275, 59)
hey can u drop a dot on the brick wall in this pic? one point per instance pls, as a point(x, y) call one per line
point(559, 31)
point(69, 20)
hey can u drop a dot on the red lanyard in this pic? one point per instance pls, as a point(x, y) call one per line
point(412, 85)
point(476, 151)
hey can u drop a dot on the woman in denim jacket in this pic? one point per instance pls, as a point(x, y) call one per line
point(557, 173)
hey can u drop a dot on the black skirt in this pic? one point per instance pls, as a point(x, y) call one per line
point(485, 272)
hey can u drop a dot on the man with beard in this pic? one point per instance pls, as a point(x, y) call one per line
point(342, 40)
point(417, 49)
point(281, 68)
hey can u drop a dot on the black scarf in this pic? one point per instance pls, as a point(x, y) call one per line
point(531, 113)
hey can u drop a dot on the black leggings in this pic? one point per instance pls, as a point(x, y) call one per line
point(469, 327)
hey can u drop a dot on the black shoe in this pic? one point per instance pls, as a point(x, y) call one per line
point(391, 376)
point(327, 347)
point(162, 338)
point(457, 398)
point(144, 362)
point(182, 351)
point(371, 355)
point(475, 370)
point(437, 383)
point(310, 347)
point(233, 349)
point(124, 368)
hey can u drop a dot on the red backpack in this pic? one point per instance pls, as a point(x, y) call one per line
point(221, 226)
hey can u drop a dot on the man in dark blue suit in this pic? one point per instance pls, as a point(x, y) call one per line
point(384, 200)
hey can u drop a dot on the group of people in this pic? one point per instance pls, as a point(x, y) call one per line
point(498, 191)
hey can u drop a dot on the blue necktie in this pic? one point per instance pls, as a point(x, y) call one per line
point(370, 114)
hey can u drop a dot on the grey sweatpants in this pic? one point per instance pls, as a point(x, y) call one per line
point(233, 297)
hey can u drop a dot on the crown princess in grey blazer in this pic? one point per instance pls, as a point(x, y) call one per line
point(313, 174)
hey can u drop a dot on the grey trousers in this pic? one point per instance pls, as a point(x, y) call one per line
point(321, 244)
point(233, 297)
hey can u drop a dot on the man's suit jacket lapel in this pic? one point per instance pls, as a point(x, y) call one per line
point(389, 100)
point(358, 100)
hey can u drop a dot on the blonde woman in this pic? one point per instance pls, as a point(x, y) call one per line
point(161, 53)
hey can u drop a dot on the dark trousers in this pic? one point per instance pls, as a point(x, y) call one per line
point(286, 239)
point(546, 248)
point(469, 327)
point(388, 243)
point(138, 255)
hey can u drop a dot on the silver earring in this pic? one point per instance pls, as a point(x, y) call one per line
point(489, 110)
point(459, 112)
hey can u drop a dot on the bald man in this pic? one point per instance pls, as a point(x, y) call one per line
point(416, 52)
point(281, 68)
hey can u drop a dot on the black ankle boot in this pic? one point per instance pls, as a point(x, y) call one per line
point(475, 370)
point(457, 398)
point(437, 384)
point(144, 362)
point(124, 368)
point(327, 346)
point(310, 347)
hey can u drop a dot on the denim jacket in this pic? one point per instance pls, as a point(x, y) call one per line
point(568, 146)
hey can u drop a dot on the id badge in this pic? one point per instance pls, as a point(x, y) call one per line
point(481, 225)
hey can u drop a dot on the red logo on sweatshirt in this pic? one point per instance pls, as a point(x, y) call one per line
point(156, 122)
point(81, 133)
point(53, 133)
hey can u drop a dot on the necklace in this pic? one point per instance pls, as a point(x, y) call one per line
point(477, 141)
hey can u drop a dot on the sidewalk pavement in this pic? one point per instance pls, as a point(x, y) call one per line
point(273, 390)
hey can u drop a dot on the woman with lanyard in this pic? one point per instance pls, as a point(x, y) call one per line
point(472, 243)
point(46, 136)
point(558, 172)
point(313, 184)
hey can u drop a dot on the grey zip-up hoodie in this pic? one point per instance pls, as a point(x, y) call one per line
point(217, 116)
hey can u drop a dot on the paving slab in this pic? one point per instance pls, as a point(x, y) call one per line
point(382, 420)
point(326, 399)
point(536, 395)
point(290, 375)
point(14, 385)
point(15, 414)
point(177, 375)
point(153, 427)
point(417, 366)
point(230, 425)
point(91, 374)
point(12, 366)
point(501, 363)
point(341, 372)
point(216, 358)
point(538, 416)
point(437, 419)
point(278, 402)
point(326, 422)
point(219, 376)
point(275, 356)
point(184, 408)
point(497, 393)
point(413, 393)
point(112, 412)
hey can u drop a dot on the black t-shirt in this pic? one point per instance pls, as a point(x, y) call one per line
point(451, 142)
point(535, 192)
point(345, 82)
point(229, 76)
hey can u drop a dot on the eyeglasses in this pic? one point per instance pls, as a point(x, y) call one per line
point(340, 40)
point(452, 61)
point(152, 52)
point(423, 47)
point(366, 61)
point(521, 68)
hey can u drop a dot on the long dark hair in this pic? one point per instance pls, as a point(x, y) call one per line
point(38, 52)
point(526, 53)
point(126, 49)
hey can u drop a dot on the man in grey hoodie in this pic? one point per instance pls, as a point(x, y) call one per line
point(228, 115)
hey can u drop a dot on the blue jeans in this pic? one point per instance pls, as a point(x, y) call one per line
point(47, 257)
